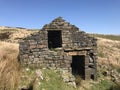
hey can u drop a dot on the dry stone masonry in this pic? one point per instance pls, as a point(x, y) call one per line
point(60, 45)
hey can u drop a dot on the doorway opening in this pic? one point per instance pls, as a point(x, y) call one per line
point(78, 66)
point(92, 76)
point(54, 39)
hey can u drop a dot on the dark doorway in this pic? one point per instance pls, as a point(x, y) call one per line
point(54, 39)
point(92, 76)
point(78, 64)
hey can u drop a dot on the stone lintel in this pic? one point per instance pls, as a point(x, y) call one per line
point(53, 29)
point(77, 49)
point(72, 53)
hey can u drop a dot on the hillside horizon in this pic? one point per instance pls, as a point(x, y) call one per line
point(17, 27)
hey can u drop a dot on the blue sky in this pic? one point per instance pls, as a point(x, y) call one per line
point(94, 16)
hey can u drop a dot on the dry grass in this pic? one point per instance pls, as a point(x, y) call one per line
point(105, 36)
point(9, 66)
point(15, 34)
point(20, 34)
point(109, 52)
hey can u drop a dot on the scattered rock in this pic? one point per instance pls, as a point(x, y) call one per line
point(39, 74)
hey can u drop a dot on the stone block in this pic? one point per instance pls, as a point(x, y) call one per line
point(87, 71)
point(36, 59)
point(87, 77)
point(25, 56)
point(34, 53)
point(35, 50)
point(32, 46)
point(49, 58)
point(73, 53)
point(33, 43)
point(41, 46)
point(50, 61)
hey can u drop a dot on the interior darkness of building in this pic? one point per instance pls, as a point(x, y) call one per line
point(54, 39)
point(78, 63)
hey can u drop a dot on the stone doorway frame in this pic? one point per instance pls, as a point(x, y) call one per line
point(85, 52)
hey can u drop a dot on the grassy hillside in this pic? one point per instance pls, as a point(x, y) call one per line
point(14, 34)
point(111, 37)
point(109, 51)
point(13, 76)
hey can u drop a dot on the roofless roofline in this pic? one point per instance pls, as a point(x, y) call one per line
point(59, 23)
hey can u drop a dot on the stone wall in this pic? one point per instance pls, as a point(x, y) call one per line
point(34, 49)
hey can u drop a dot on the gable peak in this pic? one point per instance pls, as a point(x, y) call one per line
point(58, 19)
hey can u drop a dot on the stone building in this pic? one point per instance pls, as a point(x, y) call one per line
point(60, 45)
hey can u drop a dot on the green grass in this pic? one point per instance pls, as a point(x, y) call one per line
point(53, 81)
point(111, 37)
point(101, 54)
point(105, 85)
point(27, 76)
point(102, 85)
point(104, 82)
point(118, 70)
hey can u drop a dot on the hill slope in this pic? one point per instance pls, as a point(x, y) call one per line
point(109, 51)
point(10, 34)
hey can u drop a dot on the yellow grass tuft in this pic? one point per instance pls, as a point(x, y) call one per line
point(9, 66)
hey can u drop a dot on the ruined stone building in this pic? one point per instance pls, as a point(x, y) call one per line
point(61, 45)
